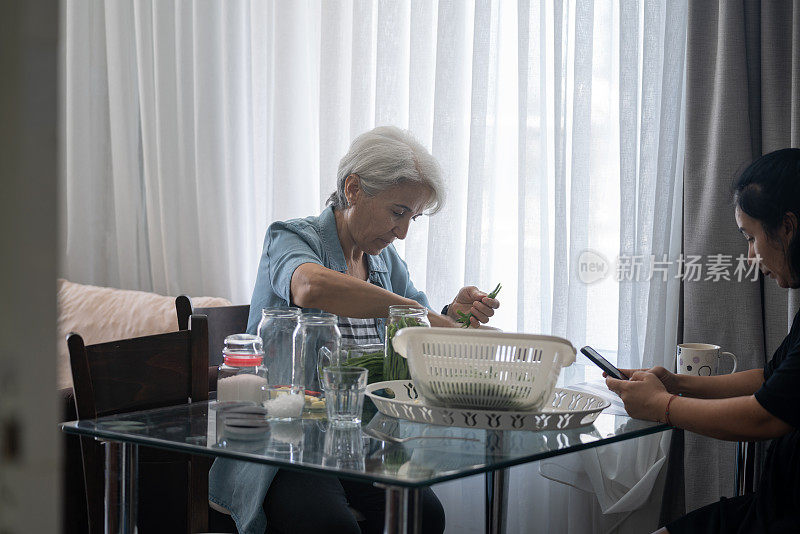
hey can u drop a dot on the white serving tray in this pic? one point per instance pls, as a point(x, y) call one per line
point(566, 409)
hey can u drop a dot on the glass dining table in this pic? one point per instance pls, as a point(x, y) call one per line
point(399, 455)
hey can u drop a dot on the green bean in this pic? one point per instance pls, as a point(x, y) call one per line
point(372, 362)
point(464, 318)
point(395, 366)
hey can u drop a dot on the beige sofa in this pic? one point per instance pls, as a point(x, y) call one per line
point(101, 314)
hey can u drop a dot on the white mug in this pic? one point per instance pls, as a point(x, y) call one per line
point(701, 359)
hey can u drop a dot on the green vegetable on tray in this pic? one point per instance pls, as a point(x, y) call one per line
point(464, 318)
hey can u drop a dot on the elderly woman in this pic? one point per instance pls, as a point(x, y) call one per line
point(758, 404)
point(343, 262)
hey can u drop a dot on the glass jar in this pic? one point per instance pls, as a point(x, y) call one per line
point(315, 345)
point(276, 330)
point(395, 367)
point(242, 375)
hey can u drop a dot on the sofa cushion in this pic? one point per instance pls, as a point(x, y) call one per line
point(101, 314)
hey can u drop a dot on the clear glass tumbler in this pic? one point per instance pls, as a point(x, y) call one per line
point(344, 394)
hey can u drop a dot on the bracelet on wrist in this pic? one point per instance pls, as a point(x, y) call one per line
point(666, 411)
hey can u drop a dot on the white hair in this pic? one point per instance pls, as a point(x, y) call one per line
point(385, 157)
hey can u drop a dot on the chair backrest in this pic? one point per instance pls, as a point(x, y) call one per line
point(222, 322)
point(137, 374)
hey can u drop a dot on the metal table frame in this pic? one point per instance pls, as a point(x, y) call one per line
point(122, 489)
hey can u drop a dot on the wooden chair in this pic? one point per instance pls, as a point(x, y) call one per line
point(222, 322)
point(138, 374)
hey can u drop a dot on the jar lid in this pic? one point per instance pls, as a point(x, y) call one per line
point(235, 360)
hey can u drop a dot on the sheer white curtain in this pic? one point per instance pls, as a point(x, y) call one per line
point(190, 126)
point(161, 122)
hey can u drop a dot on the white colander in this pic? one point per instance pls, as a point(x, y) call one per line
point(484, 369)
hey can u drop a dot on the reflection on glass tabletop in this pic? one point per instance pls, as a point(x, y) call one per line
point(311, 443)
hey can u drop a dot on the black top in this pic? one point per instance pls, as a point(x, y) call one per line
point(775, 506)
point(779, 489)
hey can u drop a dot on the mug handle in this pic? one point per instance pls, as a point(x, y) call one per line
point(735, 361)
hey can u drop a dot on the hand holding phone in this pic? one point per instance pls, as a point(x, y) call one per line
point(602, 363)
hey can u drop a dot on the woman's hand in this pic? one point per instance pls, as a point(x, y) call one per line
point(441, 320)
point(670, 380)
point(644, 395)
point(472, 300)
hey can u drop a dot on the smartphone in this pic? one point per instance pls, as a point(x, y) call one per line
point(602, 363)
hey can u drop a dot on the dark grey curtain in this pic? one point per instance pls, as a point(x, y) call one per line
point(742, 101)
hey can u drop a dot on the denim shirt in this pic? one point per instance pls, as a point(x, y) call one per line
point(241, 487)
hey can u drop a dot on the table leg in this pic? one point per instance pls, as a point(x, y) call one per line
point(121, 487)
point(399, 519)
point(739, 471)
point(416, 509)
point(745, 467)
point(496, 500)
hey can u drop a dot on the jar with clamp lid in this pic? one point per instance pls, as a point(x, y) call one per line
point(242, 375)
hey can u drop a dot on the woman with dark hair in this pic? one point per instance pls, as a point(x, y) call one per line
point(749, 405)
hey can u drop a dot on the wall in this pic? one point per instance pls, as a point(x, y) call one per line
point(29, 438)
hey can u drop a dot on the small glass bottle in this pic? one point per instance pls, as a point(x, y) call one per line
point(276, 330)
point(315, 345)
point(395, 367)
point(242, 375)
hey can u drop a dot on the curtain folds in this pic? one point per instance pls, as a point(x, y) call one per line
point(741, 101)
point(190, 126)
